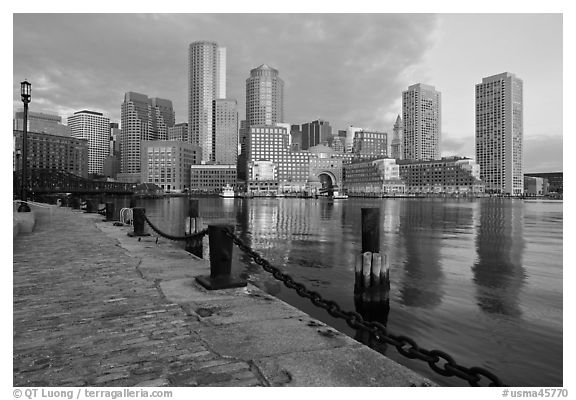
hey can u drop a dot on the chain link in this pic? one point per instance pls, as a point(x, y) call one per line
point(188, 238)
point(439, 361)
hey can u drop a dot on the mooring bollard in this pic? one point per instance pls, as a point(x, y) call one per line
point(75, 201)
point(139, 222)
point(110, 211)
point(89, 206)
point(193, 225)
point(221, 247)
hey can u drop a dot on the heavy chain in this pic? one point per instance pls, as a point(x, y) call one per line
point(439, 361)
point(188, 238)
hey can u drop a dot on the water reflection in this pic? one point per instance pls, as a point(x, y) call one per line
point(498, 271)
point(421, 284)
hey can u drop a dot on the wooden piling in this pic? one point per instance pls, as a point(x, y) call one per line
point(194, 225)
point(139, 222)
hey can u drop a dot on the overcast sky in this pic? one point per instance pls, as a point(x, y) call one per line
point(349, 69)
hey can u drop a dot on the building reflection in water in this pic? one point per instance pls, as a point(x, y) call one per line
point(498, 271)
point(422, 279)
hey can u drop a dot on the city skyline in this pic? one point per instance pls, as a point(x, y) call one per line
point(356, 76)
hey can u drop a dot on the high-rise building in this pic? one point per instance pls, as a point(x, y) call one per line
point(421, 114)
point(350, 135)
point(142, 118)
point(499, 133)
point(111, 166)
point(41, 123)
point(225, 144)
point(206, 82)
point(95, 127)
point(179, 132)
point(396, 151)
point(315, 133)
point(264, 97)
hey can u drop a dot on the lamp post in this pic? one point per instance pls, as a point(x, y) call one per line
point(26, 93)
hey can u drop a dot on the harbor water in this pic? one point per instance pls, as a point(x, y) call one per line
point(480, 279)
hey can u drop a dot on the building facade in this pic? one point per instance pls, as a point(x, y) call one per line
point(379, 177)
point(315, 133)
point(142, 118)
point(535, 186)
point(211, 178)
point(95, 127)
point(179, 132)
point(421, 116)
point(55, 152)
point(206, 82)
point(396, 150)
point(370, 144)
point(500, 133)
point(447, 176)
point(350, 135)
point(225, 130)
point(555, 180)
point(41, 123)
point(166, 163)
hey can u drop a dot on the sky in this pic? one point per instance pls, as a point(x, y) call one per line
point(349, 69)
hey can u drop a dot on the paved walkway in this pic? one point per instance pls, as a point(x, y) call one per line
point(95, 307)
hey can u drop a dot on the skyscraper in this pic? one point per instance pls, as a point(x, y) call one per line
point(315, 133)
point(95, 127)
point(499, 133)
point(142, 118)
point(206, 82)
point(396, 144)
point(421, 113)
point(264, 97)
point(225, 129)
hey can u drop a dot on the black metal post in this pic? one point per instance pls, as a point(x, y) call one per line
point(139, 222)
point(25, 92)
point(220, 260)
point(110, 211)
point(89, 206)
point(370, 230)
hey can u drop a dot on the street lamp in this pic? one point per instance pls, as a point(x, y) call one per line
point(26, 93)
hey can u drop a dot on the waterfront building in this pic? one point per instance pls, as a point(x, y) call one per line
point(206, 82)
point(142, 118)
point(315, 133)
point(396, 150)
point(270, 143)
point(41, 123)
point(421, 116)
point(350, 135)
point(179, 132)
point(499, 133)
point(325, 170)
point(166, 163)
point(446, 176)
point(535, 186)
point(370, 144)
point(55, 152)
point(555, 180)
point(95, 127)
point(211, 178)
point(225, 128)
point(380, 177)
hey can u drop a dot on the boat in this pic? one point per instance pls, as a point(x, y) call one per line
point(227, 191)
point(337, 195)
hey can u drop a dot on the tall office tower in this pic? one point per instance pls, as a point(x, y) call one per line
point(225, 147)
point(421, 113)
point(163, 117)
point(499, 133)
point(179, 132)
point(95, 127)
point(206, 82)
point(41, 123)
point(264, 97)
point(315, 133)
point(396, 143)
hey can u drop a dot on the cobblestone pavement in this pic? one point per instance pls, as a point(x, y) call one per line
point(85, 316)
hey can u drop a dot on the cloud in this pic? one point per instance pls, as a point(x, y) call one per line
point(346, 68)
point(543, 154)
